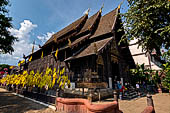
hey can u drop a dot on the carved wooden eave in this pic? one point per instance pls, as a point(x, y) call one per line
point(106, 24)
point(88, 29)
point(90, 50)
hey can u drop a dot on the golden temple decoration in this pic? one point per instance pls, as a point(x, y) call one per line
point(101, 8)
point(69, 42)
point(100, 60)
point(114, 59)
point(120, 4)
point(95, 48)
point(87, 12)
point(114, 49)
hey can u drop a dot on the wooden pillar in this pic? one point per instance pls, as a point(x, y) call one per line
point(109, 65)
point(109, 70)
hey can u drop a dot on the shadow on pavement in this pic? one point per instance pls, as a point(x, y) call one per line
point(10, 103)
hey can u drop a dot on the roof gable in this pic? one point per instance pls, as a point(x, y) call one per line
point(67, 29)
point(90, 22)
point(106, 24)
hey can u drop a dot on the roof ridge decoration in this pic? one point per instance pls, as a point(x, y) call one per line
point(90, 26)
point(98, 17)
point(75, 28)
point(66, 30)
point(87, 12)
point(106, 24)
point(101, 8)
point(120, 4)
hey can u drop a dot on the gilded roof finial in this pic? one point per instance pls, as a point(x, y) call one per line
point(120, 4)
point(87, 12)
point(101, 8)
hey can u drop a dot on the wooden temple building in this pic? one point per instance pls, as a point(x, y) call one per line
point(88, 49)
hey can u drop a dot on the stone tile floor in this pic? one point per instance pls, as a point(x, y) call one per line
point(10, 103)
point(161, 103)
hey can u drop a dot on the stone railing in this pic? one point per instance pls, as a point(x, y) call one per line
point(77, 105)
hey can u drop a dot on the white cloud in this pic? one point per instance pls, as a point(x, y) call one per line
point(45, 37)
point(23, 46)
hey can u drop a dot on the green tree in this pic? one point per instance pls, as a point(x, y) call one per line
point(149, 22)
point(166, 79)
point(166, 56)
point(2, 66)
point(6, 39)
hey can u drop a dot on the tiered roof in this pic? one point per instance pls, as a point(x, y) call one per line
point(69, 29)
point(92, 49)
point(106, 24)
point(86, 29)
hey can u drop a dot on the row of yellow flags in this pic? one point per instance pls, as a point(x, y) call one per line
point(42, 54)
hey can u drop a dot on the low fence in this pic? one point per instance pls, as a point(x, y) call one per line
point(84, 106)
point(77, 105)
point(49, 99)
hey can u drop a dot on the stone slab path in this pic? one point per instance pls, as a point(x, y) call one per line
point(161, 103)
point(10, 103)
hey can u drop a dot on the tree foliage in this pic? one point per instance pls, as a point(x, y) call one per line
point(166, 56)
point(6, 39)
point(140, 74)
point(166, 71)
point(2, 66)
point(149, 22)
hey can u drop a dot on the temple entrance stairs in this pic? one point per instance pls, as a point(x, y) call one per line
point(132, 93)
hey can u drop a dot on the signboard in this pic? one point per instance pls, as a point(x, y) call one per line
point(92, 85)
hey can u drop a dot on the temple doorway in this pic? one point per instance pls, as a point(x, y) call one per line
point(115, 74)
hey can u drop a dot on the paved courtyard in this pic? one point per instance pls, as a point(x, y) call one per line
point(161, 103)
point(10, 103)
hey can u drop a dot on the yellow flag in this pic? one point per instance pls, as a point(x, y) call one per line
point(30, 59)
point(68, 82)
point(42, 54)
point(22, 61)
point(11, 67)
point(33, 47)
point(59, 79)
point(19, 64)
point(60, 83)
point(63, 70)
point(56, 53)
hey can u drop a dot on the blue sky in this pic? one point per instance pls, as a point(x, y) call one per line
point(39, 19)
